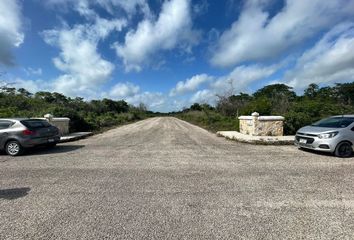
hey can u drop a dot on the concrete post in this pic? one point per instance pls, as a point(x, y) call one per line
point(48, 117)
point(255, 123)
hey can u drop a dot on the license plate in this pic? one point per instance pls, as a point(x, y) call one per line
point(51, 140)
point(303, 140)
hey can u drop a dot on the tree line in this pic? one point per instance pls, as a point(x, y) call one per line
point(85, 115)
point(279, 99)
point(276, 99)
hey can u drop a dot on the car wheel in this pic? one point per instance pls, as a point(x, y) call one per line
point(344, 149)
point(14, 148)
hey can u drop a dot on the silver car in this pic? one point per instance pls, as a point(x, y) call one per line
point(16, 135)
point(334, 135)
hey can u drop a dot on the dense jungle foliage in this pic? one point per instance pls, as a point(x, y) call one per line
point(277, 99)
point(94, 115)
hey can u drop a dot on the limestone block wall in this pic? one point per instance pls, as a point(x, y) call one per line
point(256, 125)
point(61, 123)
point(246, 125)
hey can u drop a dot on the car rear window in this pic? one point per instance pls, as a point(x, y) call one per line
point(334, 122)
point(32, 123)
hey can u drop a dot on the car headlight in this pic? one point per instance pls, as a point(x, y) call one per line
point(327, 135)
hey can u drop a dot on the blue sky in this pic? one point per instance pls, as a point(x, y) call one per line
point(169, 54)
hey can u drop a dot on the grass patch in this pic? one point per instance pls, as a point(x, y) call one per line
point(210, 120)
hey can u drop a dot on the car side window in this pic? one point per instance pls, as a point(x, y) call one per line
point(352, 128)
point(5, 124)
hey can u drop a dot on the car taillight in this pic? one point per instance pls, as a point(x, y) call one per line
point(28, 132)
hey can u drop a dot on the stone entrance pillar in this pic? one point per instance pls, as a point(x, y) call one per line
point(256, 125)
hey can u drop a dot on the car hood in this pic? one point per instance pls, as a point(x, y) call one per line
point(316, 130)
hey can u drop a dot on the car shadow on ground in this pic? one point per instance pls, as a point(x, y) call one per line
point(44, 150)
point(320, 153)
point(55, 150)
point(14, 193)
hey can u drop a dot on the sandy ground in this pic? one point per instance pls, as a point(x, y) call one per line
point(163, 178)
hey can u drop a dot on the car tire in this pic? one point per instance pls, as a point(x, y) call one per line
point(14, 148)
point(343, 150)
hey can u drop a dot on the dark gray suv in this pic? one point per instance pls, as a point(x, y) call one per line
point(16, 135)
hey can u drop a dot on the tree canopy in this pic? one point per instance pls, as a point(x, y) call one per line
point(299, 110)
point(84, 115)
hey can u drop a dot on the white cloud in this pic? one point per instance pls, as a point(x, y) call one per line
point(257, 36)
point(85, 7)
point(32, 86)
point(33, 71)
point(204, 96)
point(11, 34)
point(242, 77)
point(173, 28)
point(331, 60)
point(124, 90)
point(190, 84)
point(200, 8)
point(132, 94)
point(84, 68)
point(235, 82)
point(154, 101)
point(131, 7)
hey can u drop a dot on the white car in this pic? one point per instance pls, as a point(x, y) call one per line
point(334, 135)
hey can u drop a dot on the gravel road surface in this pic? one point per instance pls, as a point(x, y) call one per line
point(163, 178)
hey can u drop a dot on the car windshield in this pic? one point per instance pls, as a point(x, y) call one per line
point(334, 122)
point(35, 123)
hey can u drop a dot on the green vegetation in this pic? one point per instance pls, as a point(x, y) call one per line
point(85, 116)
point(207, 117)
point(276, 99)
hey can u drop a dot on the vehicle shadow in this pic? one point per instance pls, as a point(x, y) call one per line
point(14, 193)
point(56, 150)
point(320, 153)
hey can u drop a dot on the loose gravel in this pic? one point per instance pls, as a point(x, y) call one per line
point(163, 178)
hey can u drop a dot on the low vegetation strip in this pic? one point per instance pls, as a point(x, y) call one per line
point(278, 99)
point(97, 115)
point(209, 119)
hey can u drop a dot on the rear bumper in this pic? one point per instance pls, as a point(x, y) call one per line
point(33, 142)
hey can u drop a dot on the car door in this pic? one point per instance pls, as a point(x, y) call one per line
point(352, 133)
point(4, 127)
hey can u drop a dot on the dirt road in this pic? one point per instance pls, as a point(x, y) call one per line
point(163, 178)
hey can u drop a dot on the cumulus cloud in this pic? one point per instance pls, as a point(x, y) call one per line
point(131, 7)
point(257, 36)
point(242, 77)
point(238, 80)
point(86, 7)
point(190, 84)
point(173, 28)
point(11, 34)
point(124, 90)
point(132, 94)
point(204, 96)
point(153, 100)
point(331, 60)
point(84, 67)
point(30, 85)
